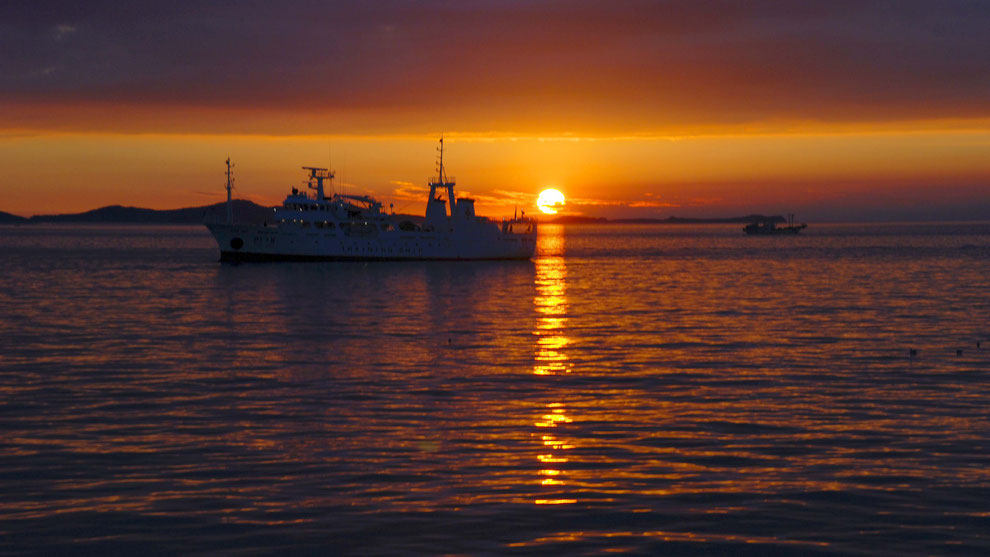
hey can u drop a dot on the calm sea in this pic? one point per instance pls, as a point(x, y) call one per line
point(649, 389)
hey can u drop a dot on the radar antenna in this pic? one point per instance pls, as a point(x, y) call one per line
point(318, 174)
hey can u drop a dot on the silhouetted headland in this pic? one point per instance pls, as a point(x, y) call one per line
point(7, 218)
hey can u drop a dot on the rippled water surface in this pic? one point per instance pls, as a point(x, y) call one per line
point(652, 389)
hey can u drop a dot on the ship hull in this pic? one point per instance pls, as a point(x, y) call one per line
point(292, 243)
point(775, 232)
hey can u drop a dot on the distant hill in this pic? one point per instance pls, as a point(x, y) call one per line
point(668, 220)
point(244, 212)
point(575, 219)
point(727, 220)
point(7, 218)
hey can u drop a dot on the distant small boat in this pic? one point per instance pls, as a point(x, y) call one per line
point(769, 227)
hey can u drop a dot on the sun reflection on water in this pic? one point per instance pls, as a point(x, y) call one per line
point(551, 303)
point(551, 359)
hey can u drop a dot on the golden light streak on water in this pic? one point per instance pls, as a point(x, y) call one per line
point(551, 303)
point(551, 357)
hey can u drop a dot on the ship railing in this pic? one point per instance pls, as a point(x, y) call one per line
point(517, 219)
point(303, 194)
point(518, 226)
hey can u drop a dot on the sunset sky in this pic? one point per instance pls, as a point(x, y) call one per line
point(832, 110)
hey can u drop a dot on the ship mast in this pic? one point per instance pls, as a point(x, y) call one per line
point(436, 207)
point(442, 182)
point(230, 186)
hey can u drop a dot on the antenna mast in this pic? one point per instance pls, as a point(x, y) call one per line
point(230, 186)
point(440, 175)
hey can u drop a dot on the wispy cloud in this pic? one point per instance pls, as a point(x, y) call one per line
point(517, 196)
point(503, 198)
point(63, 30)
point(43, 72)
point(408, 191)
point(637, 203)
point(353, 189)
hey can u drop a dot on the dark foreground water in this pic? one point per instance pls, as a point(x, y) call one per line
point(655, 389)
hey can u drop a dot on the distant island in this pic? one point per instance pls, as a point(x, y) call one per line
point(668, 220)
point(244, 212)
point(248, 212)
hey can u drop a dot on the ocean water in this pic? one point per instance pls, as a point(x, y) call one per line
point(648, 389)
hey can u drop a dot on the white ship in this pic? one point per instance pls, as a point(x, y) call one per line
point(313, 226)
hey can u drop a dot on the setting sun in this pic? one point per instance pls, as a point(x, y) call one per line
point(549, 201)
